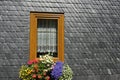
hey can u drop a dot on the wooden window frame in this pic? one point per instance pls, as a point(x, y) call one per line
point(33, 33)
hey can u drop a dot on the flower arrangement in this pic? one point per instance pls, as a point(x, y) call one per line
point(45, 69)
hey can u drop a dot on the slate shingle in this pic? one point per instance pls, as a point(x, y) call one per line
point(91, 36)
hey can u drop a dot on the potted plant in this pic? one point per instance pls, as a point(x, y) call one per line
point(45, 68)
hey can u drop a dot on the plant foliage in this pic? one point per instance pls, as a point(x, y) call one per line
point(45, 68)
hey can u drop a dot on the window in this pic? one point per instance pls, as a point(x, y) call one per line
point(47, 35)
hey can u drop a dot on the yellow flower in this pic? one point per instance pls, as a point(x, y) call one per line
point(29, 71)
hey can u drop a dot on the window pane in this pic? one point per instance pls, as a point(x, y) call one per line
point(47, 37)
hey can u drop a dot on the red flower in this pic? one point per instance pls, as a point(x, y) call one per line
point(47, 78)
point(33, 61)
point(34, 76)
point(39, 76)
point(36, 60)
point(44, 73)
point(30, 62)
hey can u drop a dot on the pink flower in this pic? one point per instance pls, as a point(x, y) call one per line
point(36, 60)
point(47, 78)
point(30, 62)
point(39, 76)
point(34, 76)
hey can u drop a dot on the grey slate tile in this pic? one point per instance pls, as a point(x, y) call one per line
point(91, 35)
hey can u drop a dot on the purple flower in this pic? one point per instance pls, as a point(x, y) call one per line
point(57, 70)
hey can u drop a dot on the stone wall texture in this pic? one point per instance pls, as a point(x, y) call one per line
point(92, 36)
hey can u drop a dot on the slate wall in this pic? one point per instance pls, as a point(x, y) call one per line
point(92, 39)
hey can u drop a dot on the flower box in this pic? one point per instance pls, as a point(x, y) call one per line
point(45, 68)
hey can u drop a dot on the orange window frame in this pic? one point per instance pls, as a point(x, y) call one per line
point(33, 33)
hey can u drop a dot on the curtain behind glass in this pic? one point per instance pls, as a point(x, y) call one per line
point(47, 36)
